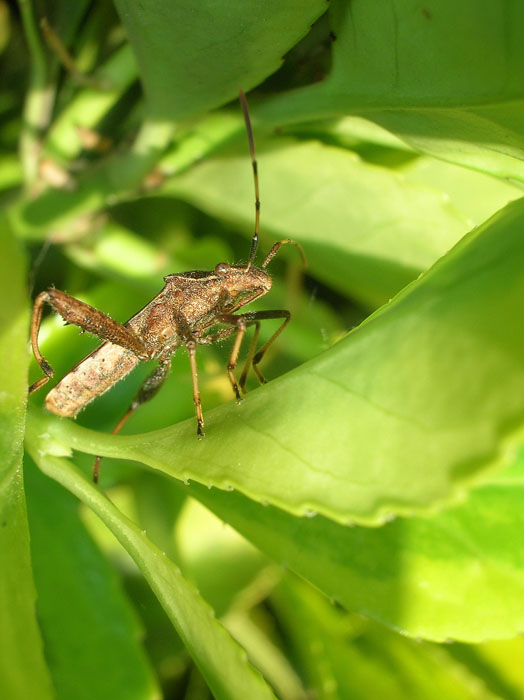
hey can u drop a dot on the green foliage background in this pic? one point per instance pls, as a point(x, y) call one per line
point(372, 489)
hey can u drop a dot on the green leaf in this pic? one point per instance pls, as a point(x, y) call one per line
point(158, 506)
point(475, 195)
point(414, 405)
point(193, 57)
point(457, 94)
point(19, 634)
point(96, 651)
point(10, 172)
point(254, 631)
point(214, 557)
point(211, 52)
point(328, 641)
point(222, 661)
point(415, 575)
point(326, 198)
point(498, 663)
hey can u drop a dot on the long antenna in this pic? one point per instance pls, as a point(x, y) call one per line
point(254, 242)
point(277, 245)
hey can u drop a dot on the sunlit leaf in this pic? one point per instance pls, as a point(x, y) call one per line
point(445, 78)
point(455, 575)
point(416, 403)
point(328, 640)
point(212, 49)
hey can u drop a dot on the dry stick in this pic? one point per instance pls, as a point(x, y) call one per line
point(58, 47)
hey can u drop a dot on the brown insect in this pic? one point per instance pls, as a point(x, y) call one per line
point(183, 313)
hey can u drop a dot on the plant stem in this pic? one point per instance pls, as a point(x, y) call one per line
point(39, 98)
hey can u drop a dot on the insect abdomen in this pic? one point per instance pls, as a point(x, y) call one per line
point(93, 376)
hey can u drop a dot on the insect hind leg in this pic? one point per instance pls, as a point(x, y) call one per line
point(36, 322)
point(149, 388)
point(249, 359)
point(85, 317)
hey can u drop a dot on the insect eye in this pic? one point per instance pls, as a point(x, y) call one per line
point(222, 269)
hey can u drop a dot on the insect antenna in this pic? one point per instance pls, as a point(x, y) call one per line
point(254, 242)
point(277, 245)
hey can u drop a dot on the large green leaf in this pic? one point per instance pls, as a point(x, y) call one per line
point(477, 196)
point(19, 634)
point(196, 56)
point(214, 557)
point(456, 575)
point(447, 78)
point(498, 662)
point(416, 403)
point(221, 660)
point(95, 651)
point(328, 641)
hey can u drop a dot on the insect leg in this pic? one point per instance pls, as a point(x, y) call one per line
point(239, 327)
point(221, 335)
point(191, 349)
point(85, 317)
point(36, 321)
point(151, 386)
point(263, 315)
point(249, 358)
point(225, 333)
point(233, 359)
point(242, 321)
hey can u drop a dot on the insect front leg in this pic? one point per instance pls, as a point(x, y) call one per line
point(241, 322)
point(239, 328)
point(249, 358)
point(150, 388)
point(85, 317)
point(261, 316)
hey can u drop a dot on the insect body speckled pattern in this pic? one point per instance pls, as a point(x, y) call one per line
point(182, 314)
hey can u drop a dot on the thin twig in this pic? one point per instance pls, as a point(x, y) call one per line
point(58, 47)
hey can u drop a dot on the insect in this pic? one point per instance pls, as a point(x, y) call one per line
point(184, 313)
